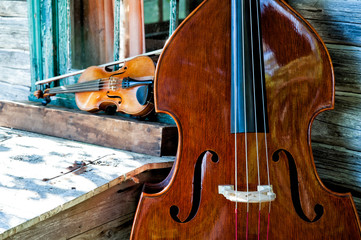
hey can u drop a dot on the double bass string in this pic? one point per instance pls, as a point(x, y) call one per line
point(255, 116)
point(235, 106)
point(262, 77)
point(245, 112)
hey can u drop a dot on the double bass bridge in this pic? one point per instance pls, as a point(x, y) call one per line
point(264, 193)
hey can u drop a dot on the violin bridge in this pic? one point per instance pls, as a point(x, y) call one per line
point(113, 83)
point(264, 193)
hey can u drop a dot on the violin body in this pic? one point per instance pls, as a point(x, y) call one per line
point(193, 85)
point(126, 90)
point(125, 100)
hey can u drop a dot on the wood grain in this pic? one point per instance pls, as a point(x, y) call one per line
point(14, 33)
point(336, 134)
point(299, 84)
point(110, 131)
point(104, 213)
point(13, 8)
point(14, 46)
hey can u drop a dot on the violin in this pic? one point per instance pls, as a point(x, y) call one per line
point(243, 80)
point(127, 90)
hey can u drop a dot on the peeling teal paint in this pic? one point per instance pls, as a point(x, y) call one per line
point(47, 36)
point(50, 42)
point(64, 27)
point(174, 13)
point(35, 42)
point(116, 29)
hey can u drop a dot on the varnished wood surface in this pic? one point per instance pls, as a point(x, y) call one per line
point(125, 100)
point(299, 84)
point(336, 135)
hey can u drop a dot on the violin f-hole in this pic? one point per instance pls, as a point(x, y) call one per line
point(294, 188)
point(197, 186)
point(109, 96)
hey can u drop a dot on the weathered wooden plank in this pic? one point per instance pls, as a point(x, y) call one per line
point(95, 214)
point(328, 10)
point(337, 170)
point(15, 77)
point(336, 21)
point(13, 9)
point(347, 64)
point(340, 169)
point(341, 126)
point(109, 131)
point(13, 92)
point(15, 67)
point(14, 33)
point(14, 59)
point(116, 229)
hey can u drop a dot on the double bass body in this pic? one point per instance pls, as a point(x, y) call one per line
point(193, 85)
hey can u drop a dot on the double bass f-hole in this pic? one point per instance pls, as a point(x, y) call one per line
point(245, 79)
point(205, 158)
point(294, 188)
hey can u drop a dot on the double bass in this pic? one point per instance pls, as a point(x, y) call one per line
point(244, 81)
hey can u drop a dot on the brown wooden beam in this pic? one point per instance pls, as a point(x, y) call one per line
point(110, 131)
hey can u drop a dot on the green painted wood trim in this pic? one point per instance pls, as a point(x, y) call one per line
point(64, 28)
point(55, 23)
point(64, 53)
point(116, 29)
point(47, 46)
point(174, 13)
point(35, 42)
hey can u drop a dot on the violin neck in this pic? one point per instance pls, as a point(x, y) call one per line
point(90, 86)
point(102, 84)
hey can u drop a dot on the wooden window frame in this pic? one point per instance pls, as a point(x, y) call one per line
point(50, 43)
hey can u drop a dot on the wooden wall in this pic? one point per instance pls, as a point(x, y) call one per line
point(14, 50)
point(336, 134)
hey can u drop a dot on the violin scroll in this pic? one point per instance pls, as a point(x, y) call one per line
point(38, 94)
point(45, 95)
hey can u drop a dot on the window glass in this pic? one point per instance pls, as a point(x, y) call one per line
point(156, 20)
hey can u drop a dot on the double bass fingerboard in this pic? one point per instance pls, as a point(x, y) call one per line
point(248, 96)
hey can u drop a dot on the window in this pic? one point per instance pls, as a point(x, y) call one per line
point(75, 34)
point(92, 32)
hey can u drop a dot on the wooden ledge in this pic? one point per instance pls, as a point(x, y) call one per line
point(107, 212)
point(110, 131)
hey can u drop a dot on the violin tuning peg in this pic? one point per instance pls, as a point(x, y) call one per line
point(38, 94)
point(45, 101)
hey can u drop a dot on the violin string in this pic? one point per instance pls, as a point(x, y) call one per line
point(255, 113)
point(86, 86)
point(101, 82)
point(262, 78)
point(78, 86)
